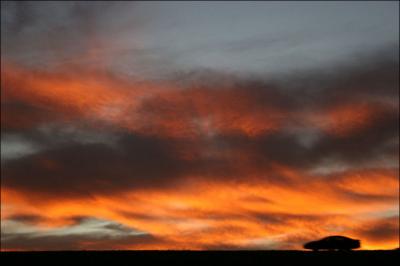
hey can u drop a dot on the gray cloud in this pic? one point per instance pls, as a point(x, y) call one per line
point(81, 233)
point(135, 37)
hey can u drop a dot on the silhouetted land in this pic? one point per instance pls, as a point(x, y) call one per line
point(166, 258)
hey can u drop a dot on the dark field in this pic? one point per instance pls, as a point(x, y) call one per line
point(282, 258)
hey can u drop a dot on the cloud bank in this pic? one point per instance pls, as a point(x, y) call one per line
point(199, 159)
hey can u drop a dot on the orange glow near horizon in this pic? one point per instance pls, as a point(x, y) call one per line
point(210, 214)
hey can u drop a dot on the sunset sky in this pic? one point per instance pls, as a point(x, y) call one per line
point(198, 125)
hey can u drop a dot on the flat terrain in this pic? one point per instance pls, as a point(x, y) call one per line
point(282, 258)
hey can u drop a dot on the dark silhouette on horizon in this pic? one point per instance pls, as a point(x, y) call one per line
point(333, 243)
point(203, 258)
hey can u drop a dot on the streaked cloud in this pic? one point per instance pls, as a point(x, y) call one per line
point(97, 156)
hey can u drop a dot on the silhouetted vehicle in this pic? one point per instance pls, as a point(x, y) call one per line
point(333, 243)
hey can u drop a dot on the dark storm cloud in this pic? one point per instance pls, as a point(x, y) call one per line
point(136, 162)
point(82, 169)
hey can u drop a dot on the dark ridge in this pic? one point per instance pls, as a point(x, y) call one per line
point(179, 257)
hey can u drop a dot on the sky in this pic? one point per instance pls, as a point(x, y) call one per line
point(198, 125)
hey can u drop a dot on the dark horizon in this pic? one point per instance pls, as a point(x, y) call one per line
point(247, 258)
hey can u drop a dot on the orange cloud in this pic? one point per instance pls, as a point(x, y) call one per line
point(199, 215)
point(148, 108)
point(75, 94)
point(345, 119)
point(379, 233)
point(220, 169)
